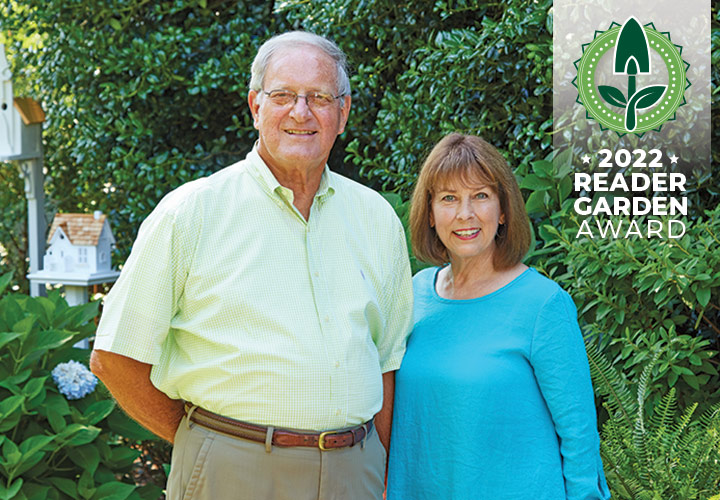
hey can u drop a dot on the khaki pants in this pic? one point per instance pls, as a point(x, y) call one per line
point(207, 465)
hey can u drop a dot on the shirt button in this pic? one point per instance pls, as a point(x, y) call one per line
point(337, 412)
point(316, 274)
point(327, 319)
point(337, 364)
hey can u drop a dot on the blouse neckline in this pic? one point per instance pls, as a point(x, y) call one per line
point(490, 295)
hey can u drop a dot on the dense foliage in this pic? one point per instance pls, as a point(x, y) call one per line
point(426, 68)
point(140, 98)
point(58, 443)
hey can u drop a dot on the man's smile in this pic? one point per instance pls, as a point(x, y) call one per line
point(300, 132)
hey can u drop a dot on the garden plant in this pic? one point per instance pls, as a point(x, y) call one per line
point(60, 433)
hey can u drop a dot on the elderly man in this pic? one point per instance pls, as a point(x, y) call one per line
point(260, 317)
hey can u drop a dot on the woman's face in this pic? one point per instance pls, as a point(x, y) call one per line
point(466, 218)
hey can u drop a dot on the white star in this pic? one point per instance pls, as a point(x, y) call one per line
point(673, 159)
point(586, 159)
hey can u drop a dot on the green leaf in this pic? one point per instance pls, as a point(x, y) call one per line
point(535, 202)
point(10, 405)
point(11, 492)
point(98, 411)
point(29, 461)
point(83, 436)
point(695, 360)
point(612, 95)
point(7, 337)
point(5, 281)
point(86, 485)
point(703, 296)
point(33, 491)
point(83, 313)
point(33, 387)
point(25, 325)
point(78, 434)
point(11, 453)
point(56, 420)
point(113, 491)
point(123, 425)
point(543, 168)
point(148, 492)
point(691, 380)
point(115, 24)
point(648, 96)
point(65, 485)
point(123, 457)
point(35, 443)
point(535, 183)
point(58, 403)
point(87, 457)
point(393, 198)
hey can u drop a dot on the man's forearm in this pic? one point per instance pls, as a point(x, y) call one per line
point(128, 381)
point(383, 420)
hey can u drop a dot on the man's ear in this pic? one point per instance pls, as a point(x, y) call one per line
point(344, 113)
point(254, 105)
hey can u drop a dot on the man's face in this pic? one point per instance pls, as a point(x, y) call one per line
point(297, 136)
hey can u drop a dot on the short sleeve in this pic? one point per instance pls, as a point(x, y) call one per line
point(138, 311)
point(396, 301)
point(561, 368)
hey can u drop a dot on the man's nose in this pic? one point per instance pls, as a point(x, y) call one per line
point(300, 110)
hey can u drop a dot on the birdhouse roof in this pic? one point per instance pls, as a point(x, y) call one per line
point(30, 110)
point(81, 229)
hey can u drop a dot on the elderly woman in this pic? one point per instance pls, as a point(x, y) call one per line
point(493, 400)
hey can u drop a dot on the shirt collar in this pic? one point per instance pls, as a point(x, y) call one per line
point(262, 173)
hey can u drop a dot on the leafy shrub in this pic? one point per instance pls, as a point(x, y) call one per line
point(426, 68)
point(638, 293)
point(667, 456)
point(51, 447)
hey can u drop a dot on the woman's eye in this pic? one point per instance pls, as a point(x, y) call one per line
point(448, 197)
point(481, 196)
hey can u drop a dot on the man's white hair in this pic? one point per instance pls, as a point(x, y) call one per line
point(294, 39)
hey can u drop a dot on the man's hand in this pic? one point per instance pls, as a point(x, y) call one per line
point(129, 382)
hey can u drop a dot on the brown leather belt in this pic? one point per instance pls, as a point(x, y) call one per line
point(325, 441)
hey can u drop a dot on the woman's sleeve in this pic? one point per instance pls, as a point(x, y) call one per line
point(558, 358)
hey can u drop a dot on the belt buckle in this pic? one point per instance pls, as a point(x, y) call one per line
point(321, 440)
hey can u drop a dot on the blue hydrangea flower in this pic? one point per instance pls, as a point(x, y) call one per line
point(74, 380)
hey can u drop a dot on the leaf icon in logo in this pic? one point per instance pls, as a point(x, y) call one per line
point(612, 95)
point(643, 99)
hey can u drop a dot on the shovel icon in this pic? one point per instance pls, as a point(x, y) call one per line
point(632, 58)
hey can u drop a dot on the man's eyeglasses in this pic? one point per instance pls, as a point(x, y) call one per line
point(314, 100)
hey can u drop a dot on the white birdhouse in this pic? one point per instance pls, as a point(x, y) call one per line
point(80, 244)
point(20, 120)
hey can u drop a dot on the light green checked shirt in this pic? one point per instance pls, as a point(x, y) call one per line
point(248, 310)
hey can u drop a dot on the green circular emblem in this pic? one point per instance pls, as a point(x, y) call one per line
point(635, 109)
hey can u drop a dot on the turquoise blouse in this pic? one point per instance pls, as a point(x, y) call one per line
point(493, 400)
